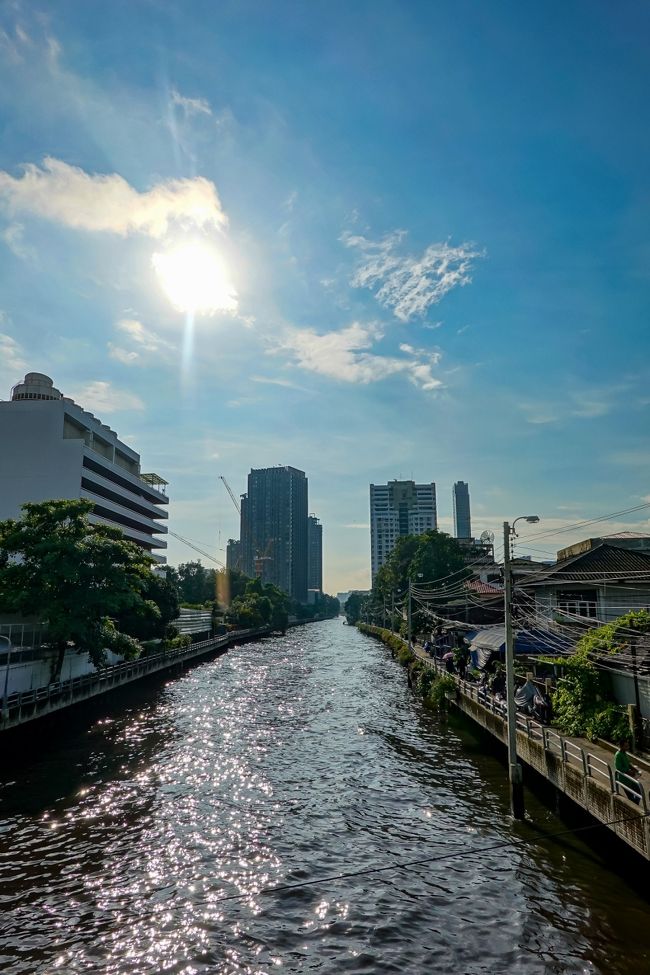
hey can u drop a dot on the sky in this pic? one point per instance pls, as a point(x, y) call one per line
point(371, 240)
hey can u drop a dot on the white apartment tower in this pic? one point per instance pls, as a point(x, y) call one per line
point(398, 508)
point(51, 448)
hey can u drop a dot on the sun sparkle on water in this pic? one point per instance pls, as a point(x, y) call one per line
point(195, 279)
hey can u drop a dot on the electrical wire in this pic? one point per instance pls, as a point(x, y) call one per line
point(421, 861)
point(581, 524)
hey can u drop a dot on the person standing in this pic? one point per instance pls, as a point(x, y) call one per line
point(624, 770)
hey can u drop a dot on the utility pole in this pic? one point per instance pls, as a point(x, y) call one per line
point(384, 612)
point(392, 612)
point(514, 768)
point(410, 627)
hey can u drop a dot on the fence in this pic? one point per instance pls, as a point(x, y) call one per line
point(568, 751)
point(27, 705)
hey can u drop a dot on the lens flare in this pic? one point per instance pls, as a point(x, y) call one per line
point(195, 279)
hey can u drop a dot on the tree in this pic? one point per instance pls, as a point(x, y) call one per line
point(353, 608)
point(150, 622)
point(196, 584)
point(262, 604)
point(75, 576)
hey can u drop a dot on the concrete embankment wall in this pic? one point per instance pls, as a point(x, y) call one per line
point(30, 705)
point(576, 768)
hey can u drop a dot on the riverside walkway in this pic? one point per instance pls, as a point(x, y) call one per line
point(581, 770)
point(26, 706)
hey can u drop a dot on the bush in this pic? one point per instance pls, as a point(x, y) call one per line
point(177, 643)
point(583, 702)
point(439, 691)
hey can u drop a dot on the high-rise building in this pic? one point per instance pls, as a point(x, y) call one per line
point(314, 553)
point(462, 520)
point(274, 528)
point(233, 554)
point(398, 508)
point(51, 448)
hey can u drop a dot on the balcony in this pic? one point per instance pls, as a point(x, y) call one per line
point(124, 513)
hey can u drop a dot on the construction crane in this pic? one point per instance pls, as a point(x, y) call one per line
point(230, 492)
point(191, 545)
point(261, 558)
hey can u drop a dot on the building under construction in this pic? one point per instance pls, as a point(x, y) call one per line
point(273, 539)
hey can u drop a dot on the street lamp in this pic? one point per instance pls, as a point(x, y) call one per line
point(514, 769)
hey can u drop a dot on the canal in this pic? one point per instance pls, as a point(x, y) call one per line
point(138, 843)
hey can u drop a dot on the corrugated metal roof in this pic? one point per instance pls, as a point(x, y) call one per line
point(604, 559)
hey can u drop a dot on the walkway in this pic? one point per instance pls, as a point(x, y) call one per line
point(580, 769)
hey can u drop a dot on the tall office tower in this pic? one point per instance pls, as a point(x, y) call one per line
point(51, 448)
point(233, 554)
point(274, 528)
point(462, 521)
point(398, 508)
point(314, 553)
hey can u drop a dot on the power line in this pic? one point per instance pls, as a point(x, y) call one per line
point(191, 545)
point(421, 861)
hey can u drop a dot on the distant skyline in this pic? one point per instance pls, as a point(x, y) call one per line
point(369, 241)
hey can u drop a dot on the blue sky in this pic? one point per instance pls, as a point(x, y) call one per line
point(428, 222)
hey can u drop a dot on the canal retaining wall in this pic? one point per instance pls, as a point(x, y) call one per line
point(580, 770)
point(27, 706)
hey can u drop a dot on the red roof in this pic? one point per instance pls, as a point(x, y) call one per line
point(484, 588)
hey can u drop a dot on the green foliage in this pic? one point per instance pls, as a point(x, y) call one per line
point(405, 656)
point(262, 604)
point(353, 608)
point(77, 577)
point(325, 607)
point(161, 607)
point(615, 636)
point(583, 703)
point(430, 556)
point(179, 642)
point(439, 692)
point(434, 689)
point(194, 583)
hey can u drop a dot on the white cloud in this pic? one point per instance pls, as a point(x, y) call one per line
point(107, 202)
point(124, 356)
point(145, 344)
point(269, 380)
point(13, 238)
point(585, 403)
point(101, 397)
point(342, 355)
point(12, 362)
point(407, 284)
point(191, 106)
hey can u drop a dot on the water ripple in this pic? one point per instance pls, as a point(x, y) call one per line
point(143, 845)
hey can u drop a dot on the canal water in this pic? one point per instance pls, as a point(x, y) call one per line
point(140, 843)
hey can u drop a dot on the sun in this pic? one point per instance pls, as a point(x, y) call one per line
point(195, 279)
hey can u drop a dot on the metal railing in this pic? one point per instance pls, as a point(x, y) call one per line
point(571, 753)
point(62, 692)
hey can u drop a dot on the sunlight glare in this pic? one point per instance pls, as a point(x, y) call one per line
point(195, 279)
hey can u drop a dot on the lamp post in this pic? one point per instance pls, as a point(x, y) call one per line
point(514, 768)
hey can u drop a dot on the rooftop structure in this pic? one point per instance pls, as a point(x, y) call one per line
point(52, 448)
point(630, 540)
